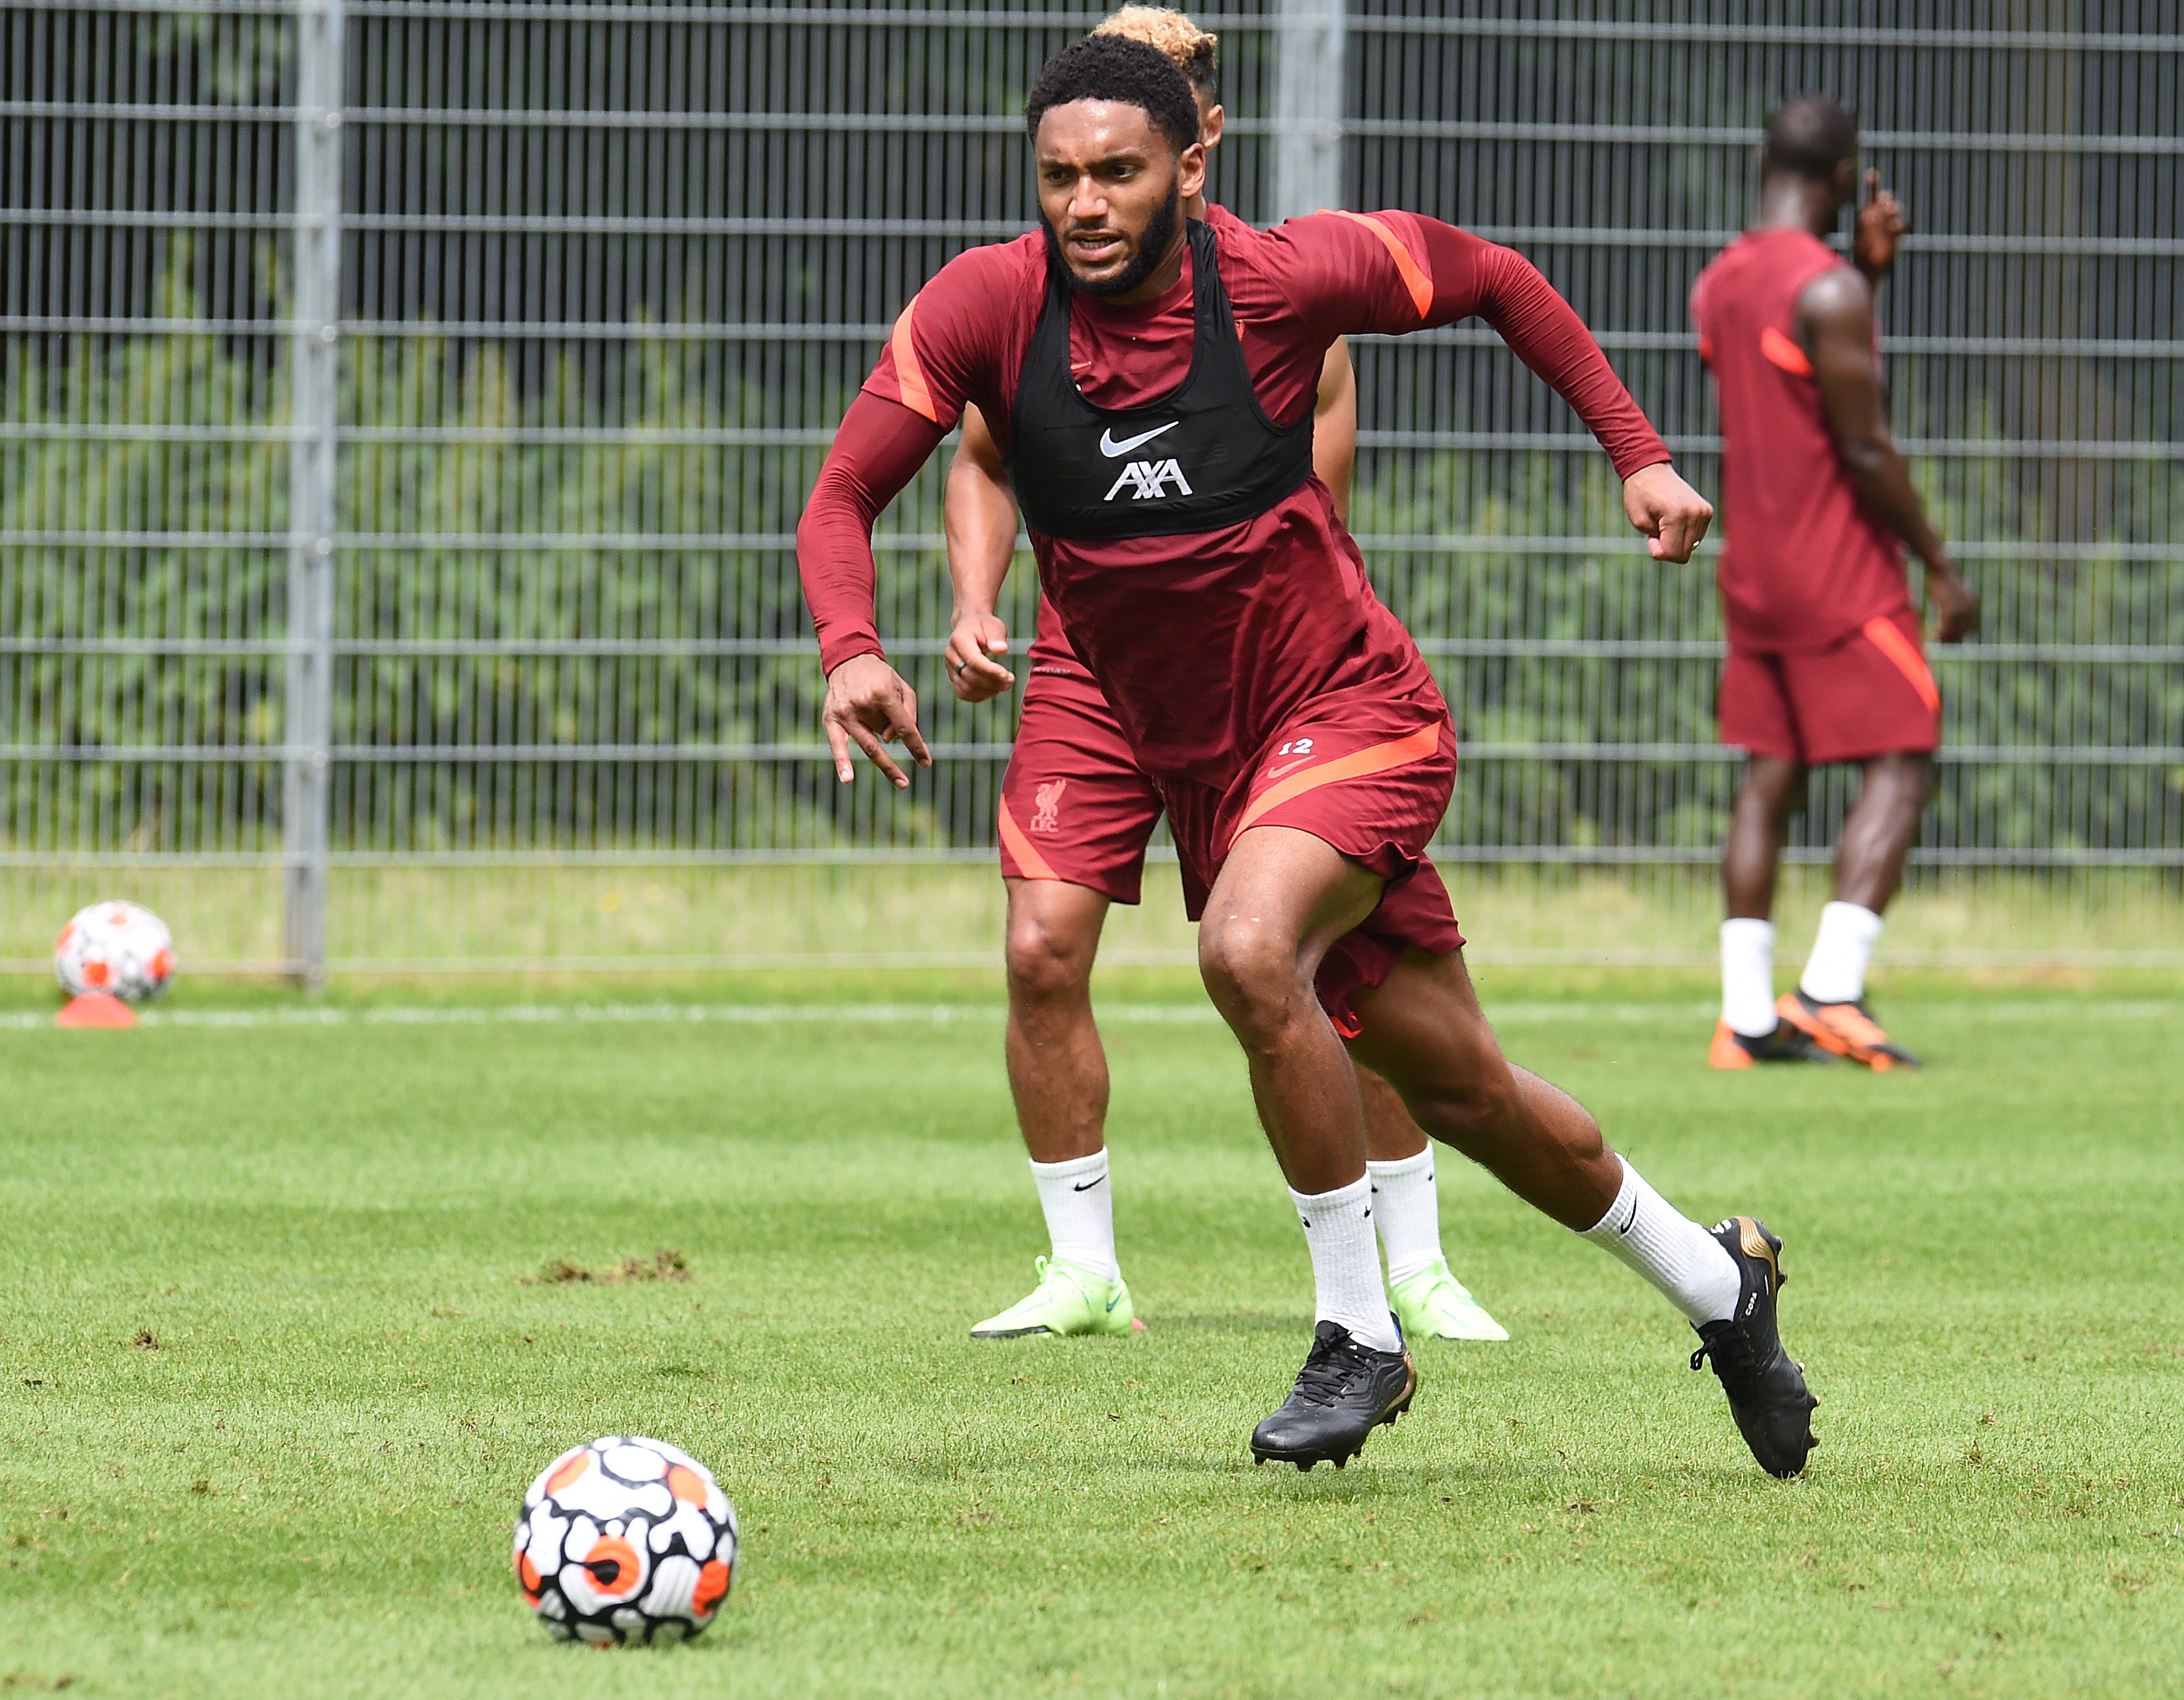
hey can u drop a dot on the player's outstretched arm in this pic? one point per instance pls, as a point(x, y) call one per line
point(879, 446)
point(1545, 332)
point(1836, 318)
point(1401, 271)
point(982, 538)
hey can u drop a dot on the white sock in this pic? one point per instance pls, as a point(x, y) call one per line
point(1747, 977)
point(1345, 1264)
point(1683, 1260)
point(1834, 973)
point(1080, 1212)
point(1408, 1207)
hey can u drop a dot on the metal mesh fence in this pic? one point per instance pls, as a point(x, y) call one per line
point(407, 405)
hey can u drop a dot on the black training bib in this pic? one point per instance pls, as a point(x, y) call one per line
point(1201, 457)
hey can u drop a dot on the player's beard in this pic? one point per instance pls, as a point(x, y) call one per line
point(1152, 249)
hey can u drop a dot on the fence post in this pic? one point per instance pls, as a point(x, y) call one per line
point(321, 86)
point(1310, 85)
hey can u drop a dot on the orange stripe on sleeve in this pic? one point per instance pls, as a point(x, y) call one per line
point(1378, 758)
point(909, 375)
point(1416, 279)
point(1887, 636)
point(1784, 353)
point(1033, 864)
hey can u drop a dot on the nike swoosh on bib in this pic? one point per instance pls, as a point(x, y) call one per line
point(1114, 450)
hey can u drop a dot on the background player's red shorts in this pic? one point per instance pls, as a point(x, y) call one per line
point(1870, 694)
point(1074, 805)
point(1368, 774)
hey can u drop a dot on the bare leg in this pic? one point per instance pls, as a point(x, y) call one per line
point(1282, 898)
point(1390, 1134)
point(1880, 830)
point(1058, 1068)
point(1425, 1032)
point(1773, 791)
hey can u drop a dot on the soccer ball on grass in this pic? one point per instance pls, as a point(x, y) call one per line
point(625, 1540)
point(119, 948)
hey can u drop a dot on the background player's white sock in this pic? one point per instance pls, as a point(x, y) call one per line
point(1683, 1260)
point(1834, 973)
point(1345, 1264)
point(1747, 977)
point(1408, 1207)
point(1080, 1204)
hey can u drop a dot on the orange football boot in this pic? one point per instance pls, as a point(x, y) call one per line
point(1846, 1029)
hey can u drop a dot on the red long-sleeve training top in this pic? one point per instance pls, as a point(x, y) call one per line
point(1206, 643)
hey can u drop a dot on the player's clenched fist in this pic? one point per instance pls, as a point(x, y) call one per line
point(1673, 516)
point(868, 703)
point(973, 674)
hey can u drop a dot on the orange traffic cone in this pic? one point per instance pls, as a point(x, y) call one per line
point(95, 1009)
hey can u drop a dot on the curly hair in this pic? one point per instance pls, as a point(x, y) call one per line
point(1196, 51)
point(1119, 69)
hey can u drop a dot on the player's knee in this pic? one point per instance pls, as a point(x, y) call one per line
point(1778, 788)
point(1470, 1114)
point(1899, 788)
point(1252, 974)
point(1046, 960)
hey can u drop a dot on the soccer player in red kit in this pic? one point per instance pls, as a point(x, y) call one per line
point(1824, 663)
point(1151, 378)
point(1076, 812)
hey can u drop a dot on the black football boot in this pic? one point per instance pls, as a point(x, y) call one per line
point(1343, 1393)
point(1767, 1392)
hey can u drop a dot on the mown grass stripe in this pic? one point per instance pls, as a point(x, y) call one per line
point(778, 1014)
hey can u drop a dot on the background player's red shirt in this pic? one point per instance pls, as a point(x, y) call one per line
point(1805, 562)
point(1204, 644)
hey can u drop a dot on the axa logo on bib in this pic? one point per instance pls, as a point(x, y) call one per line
point(1145, 479)
point(1149, 478)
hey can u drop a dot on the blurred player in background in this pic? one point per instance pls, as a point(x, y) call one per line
point(1151, 379)
point(1825, 662)
point(1075, 811)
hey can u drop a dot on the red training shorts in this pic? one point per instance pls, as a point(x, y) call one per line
point(1870, 694)
point(1074, 805)
point(1370, 776)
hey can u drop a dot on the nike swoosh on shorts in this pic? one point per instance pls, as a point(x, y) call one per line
point(1114, 450)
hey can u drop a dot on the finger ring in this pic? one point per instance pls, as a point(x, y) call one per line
point(958, 666)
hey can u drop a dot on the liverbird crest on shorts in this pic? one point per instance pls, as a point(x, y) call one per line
point(1049, 799)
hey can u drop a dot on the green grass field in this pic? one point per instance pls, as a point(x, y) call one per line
point(271, 1383)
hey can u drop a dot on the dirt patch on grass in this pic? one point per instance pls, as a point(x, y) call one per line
point(666, 1264)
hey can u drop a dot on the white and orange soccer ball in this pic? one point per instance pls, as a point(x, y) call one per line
point(625, 1540)
point(119, 948)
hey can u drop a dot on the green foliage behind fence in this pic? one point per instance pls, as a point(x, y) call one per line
point(598, 514)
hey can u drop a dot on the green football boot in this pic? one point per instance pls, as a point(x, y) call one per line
point(1068, 1300)
point(1433, 1305)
